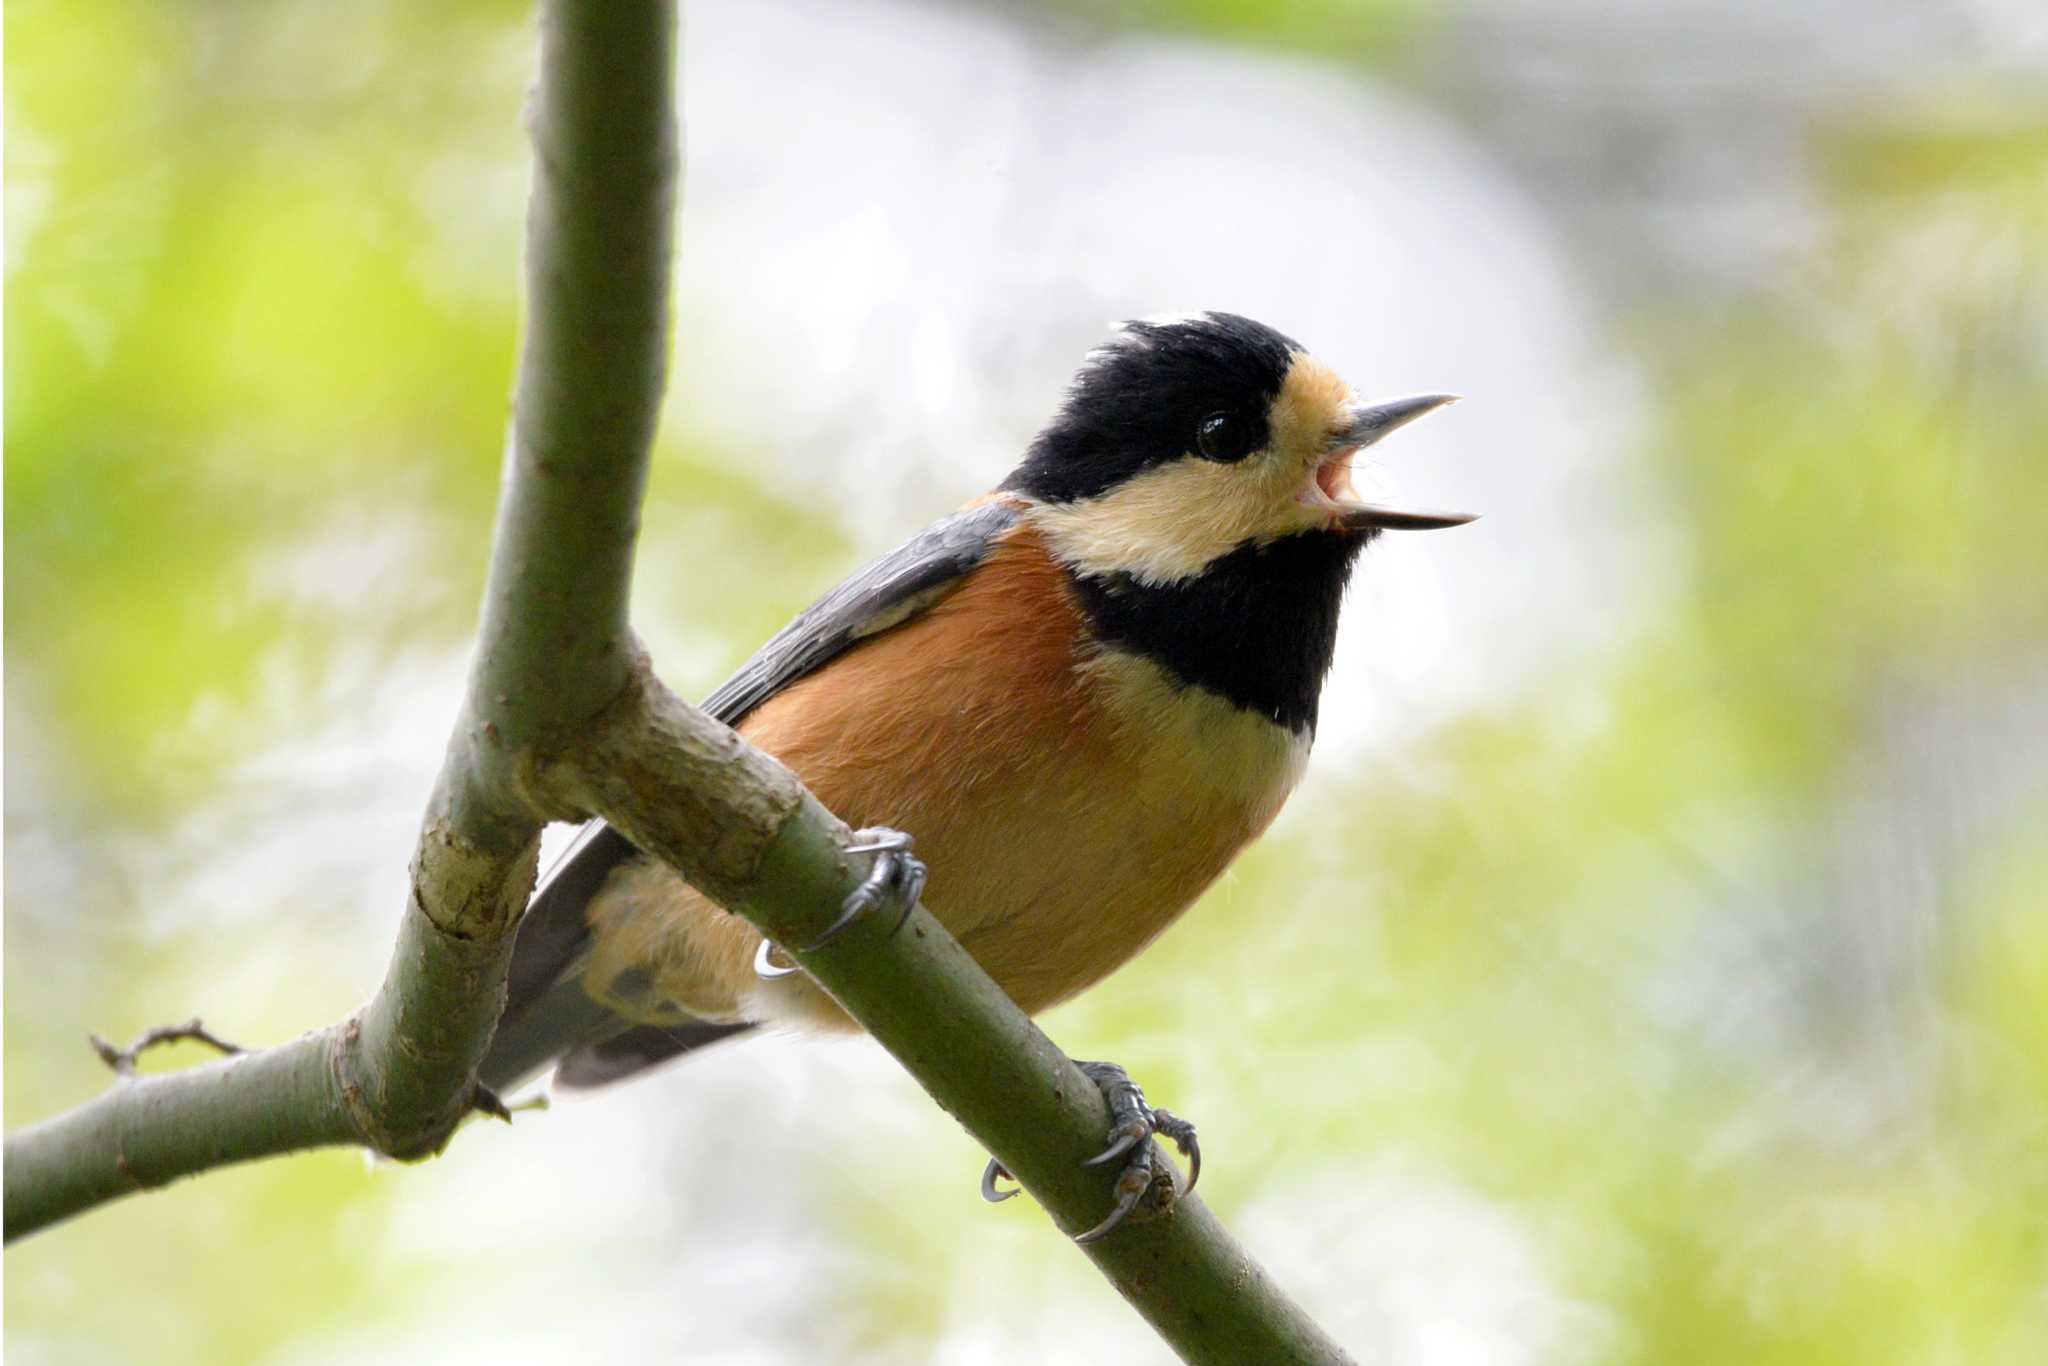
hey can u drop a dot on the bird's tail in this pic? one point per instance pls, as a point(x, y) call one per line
point(549, 1019)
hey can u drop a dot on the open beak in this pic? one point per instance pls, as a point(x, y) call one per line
point(1368, 424)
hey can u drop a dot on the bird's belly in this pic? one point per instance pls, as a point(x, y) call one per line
point(1069, 799)
point(1067, 858)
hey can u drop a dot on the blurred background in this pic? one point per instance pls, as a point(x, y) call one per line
point(1654, 966)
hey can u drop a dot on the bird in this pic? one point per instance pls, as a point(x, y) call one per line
point(1081, 696)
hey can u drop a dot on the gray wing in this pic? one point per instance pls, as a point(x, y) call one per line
point(547, 1014)
point(890, 591)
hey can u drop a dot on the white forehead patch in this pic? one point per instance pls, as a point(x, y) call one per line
point(1122, 340)
point(1186, 318)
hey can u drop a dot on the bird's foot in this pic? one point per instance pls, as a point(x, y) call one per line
point(895, 876)
point(1133, 1122)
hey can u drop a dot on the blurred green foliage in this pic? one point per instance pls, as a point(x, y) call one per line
point(251, 299)
point(226, 316)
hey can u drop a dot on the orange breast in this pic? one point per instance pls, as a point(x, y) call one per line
point(1069, 801)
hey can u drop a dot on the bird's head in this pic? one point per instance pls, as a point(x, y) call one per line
point(1183, 439)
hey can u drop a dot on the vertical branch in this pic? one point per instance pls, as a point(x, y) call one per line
point(599, 231)
point(553, 646)
point(552, 651)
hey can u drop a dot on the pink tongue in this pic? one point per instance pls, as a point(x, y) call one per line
point(1334, 478)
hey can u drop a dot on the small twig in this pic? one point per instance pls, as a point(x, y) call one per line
point(484, 1101)
point(122, 1060)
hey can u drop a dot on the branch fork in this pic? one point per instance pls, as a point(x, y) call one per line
point(564, 717)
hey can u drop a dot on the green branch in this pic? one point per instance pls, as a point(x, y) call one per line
point(551, 652)
point(563, 718)
point(144, 1133)
point(741, 828)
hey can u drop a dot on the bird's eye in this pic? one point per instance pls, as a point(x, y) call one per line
point(1224, 436)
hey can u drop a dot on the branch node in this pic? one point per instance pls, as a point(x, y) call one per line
point(355, 1100)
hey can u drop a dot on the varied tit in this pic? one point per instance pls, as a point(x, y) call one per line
point(1083, 694)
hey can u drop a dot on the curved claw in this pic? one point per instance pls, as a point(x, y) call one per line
point(1127, 1200)
point(989, 1192)
point(915, 875)
point(765, 966)
point(893, 873)
point(856, 905)
point(1130, 1138)
point(1182, 1132)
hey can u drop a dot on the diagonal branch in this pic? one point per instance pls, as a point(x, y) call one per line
point(690, 791)
point(563, 718)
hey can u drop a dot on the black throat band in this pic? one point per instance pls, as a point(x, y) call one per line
point(1256, 627)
